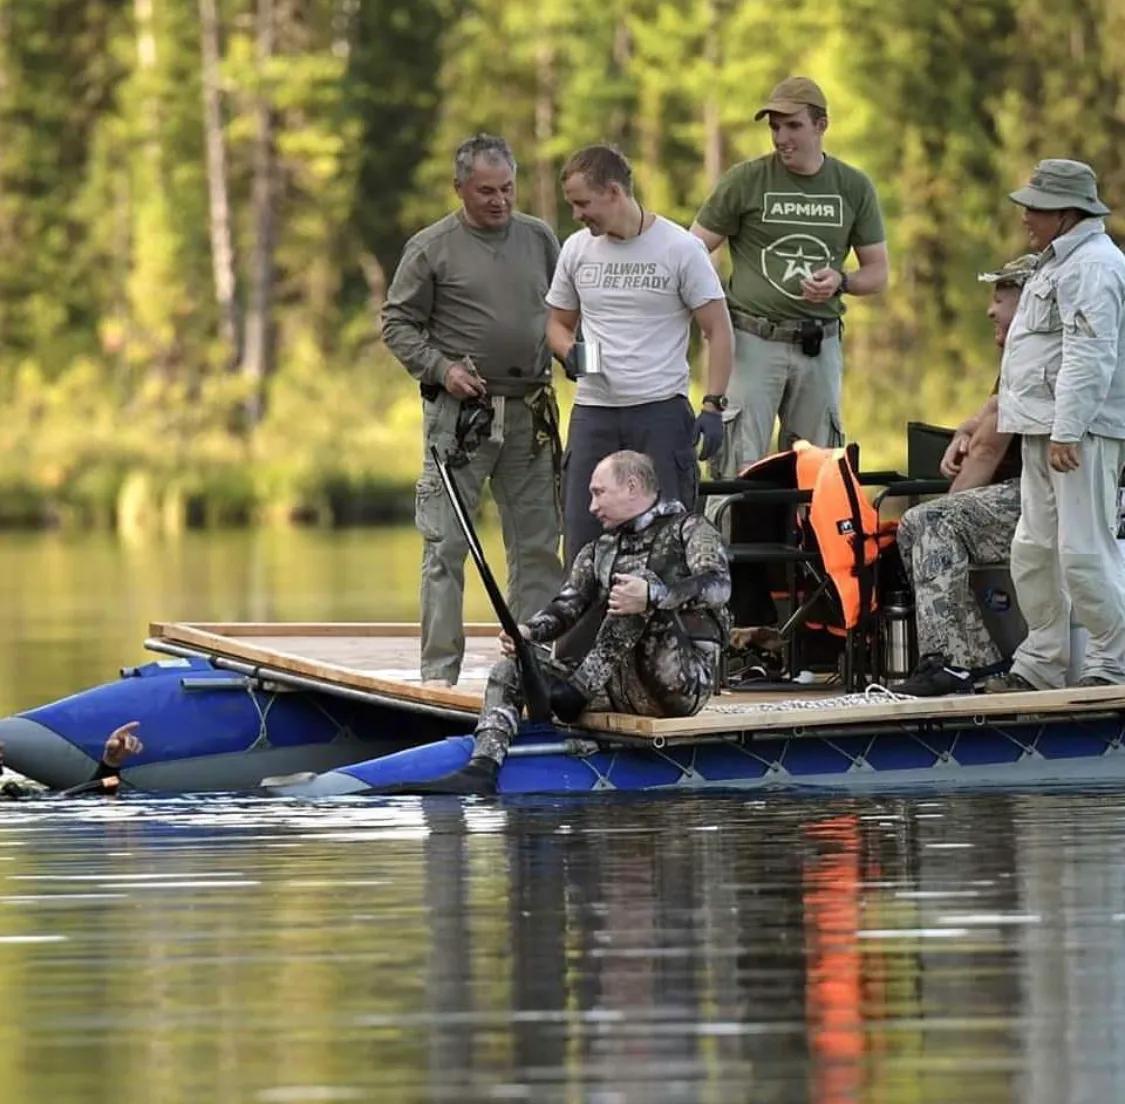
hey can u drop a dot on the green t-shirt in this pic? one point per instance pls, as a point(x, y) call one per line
point(782, 227)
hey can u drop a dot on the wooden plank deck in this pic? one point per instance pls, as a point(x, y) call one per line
point(383, 658)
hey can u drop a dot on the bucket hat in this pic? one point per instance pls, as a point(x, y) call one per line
point(1057, 184)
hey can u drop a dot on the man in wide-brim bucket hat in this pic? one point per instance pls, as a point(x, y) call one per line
point(1062, 387)
point(1058, 184)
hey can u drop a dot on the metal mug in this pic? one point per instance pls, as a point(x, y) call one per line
point(589, 358)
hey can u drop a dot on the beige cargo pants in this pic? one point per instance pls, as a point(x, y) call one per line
point(775, 381)
point(524, 485)
point(1065, 556)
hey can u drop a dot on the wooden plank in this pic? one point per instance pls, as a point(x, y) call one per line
point(232, 647)
point(371, 659)
point(314, 628)
point(726, 714)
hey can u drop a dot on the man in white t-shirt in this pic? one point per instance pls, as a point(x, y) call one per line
point(634, 281)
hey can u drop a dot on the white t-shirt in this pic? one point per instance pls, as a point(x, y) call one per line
point(636, 298)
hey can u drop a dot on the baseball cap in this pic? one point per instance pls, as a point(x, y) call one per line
point(791, 95)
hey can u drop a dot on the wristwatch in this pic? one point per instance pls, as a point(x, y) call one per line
point(719, 402)
point(842, 289)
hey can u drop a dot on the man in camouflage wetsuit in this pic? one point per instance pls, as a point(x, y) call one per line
point(942, 539)
point(663, 578)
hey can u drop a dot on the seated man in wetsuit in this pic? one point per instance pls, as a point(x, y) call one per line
point(942, 539)
point(662, 576)
point(121, 744)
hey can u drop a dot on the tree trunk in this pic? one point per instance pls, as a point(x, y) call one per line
point(712, 121)
point(546, 194)
point(257, 359)
point(376, 277)
point(222, 245)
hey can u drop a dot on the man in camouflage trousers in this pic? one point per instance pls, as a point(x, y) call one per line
point(941, 540)
point(663, 578)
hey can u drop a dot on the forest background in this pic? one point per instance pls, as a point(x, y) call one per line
point(202, 201)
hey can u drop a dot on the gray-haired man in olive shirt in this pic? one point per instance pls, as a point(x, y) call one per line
point(466, 315)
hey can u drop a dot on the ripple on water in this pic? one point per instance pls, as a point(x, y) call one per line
point(682, 948)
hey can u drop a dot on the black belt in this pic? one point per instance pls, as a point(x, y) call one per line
point(789, 330)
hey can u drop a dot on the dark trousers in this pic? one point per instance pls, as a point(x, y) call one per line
point(662, 430)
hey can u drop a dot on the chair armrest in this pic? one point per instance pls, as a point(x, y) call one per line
point(911, 488)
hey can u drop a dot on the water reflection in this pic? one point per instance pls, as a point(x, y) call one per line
point(75, 607)
point(779, 949)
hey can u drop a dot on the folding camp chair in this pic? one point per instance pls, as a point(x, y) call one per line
point(803, 513)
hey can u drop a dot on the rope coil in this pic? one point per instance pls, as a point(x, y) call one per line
point(873, 695)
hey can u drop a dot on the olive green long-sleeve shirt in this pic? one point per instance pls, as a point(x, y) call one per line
point(461, 291)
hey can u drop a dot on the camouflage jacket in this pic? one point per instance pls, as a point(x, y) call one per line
point(681, 556)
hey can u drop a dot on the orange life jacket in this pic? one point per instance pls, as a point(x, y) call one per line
point(846, 526)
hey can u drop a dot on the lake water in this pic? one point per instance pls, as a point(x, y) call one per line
point(788, 947)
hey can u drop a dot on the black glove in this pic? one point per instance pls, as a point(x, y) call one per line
point(709, 426)
point(571, 362)
point(568, 703)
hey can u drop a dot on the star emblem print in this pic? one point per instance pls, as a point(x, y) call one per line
point(797, 263)
point(794, 256)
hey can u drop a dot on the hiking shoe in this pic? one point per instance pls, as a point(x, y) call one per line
point(933, 677)
point(1009, 683)
point(1094, 680)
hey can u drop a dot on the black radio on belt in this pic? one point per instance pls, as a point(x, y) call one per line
point(810, 336)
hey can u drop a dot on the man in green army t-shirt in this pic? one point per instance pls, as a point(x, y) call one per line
point(791, 218)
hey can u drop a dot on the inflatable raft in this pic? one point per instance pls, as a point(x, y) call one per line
point(208, 727)
point(970, 752)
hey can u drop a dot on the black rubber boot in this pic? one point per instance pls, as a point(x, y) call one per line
point(568, 703)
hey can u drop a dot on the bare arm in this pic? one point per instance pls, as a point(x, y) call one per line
point(869, 279)
point(958, 448)
point(986, 449)
point(714, 323)
point(874, 269)
point(709, 238)
point(561, 327)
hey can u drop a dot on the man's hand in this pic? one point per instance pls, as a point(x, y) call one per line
point(508, 645)
point(1064, 457)
point(462, 381)
point(709, 427)
point(121, 744)
point(571, 365)
point(629, 594)
point(955, 455)
point(821, 285)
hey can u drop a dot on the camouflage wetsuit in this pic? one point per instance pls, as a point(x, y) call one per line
point(939, 542)
point(659, 663)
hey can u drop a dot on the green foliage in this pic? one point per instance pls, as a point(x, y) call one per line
point(117, 393)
